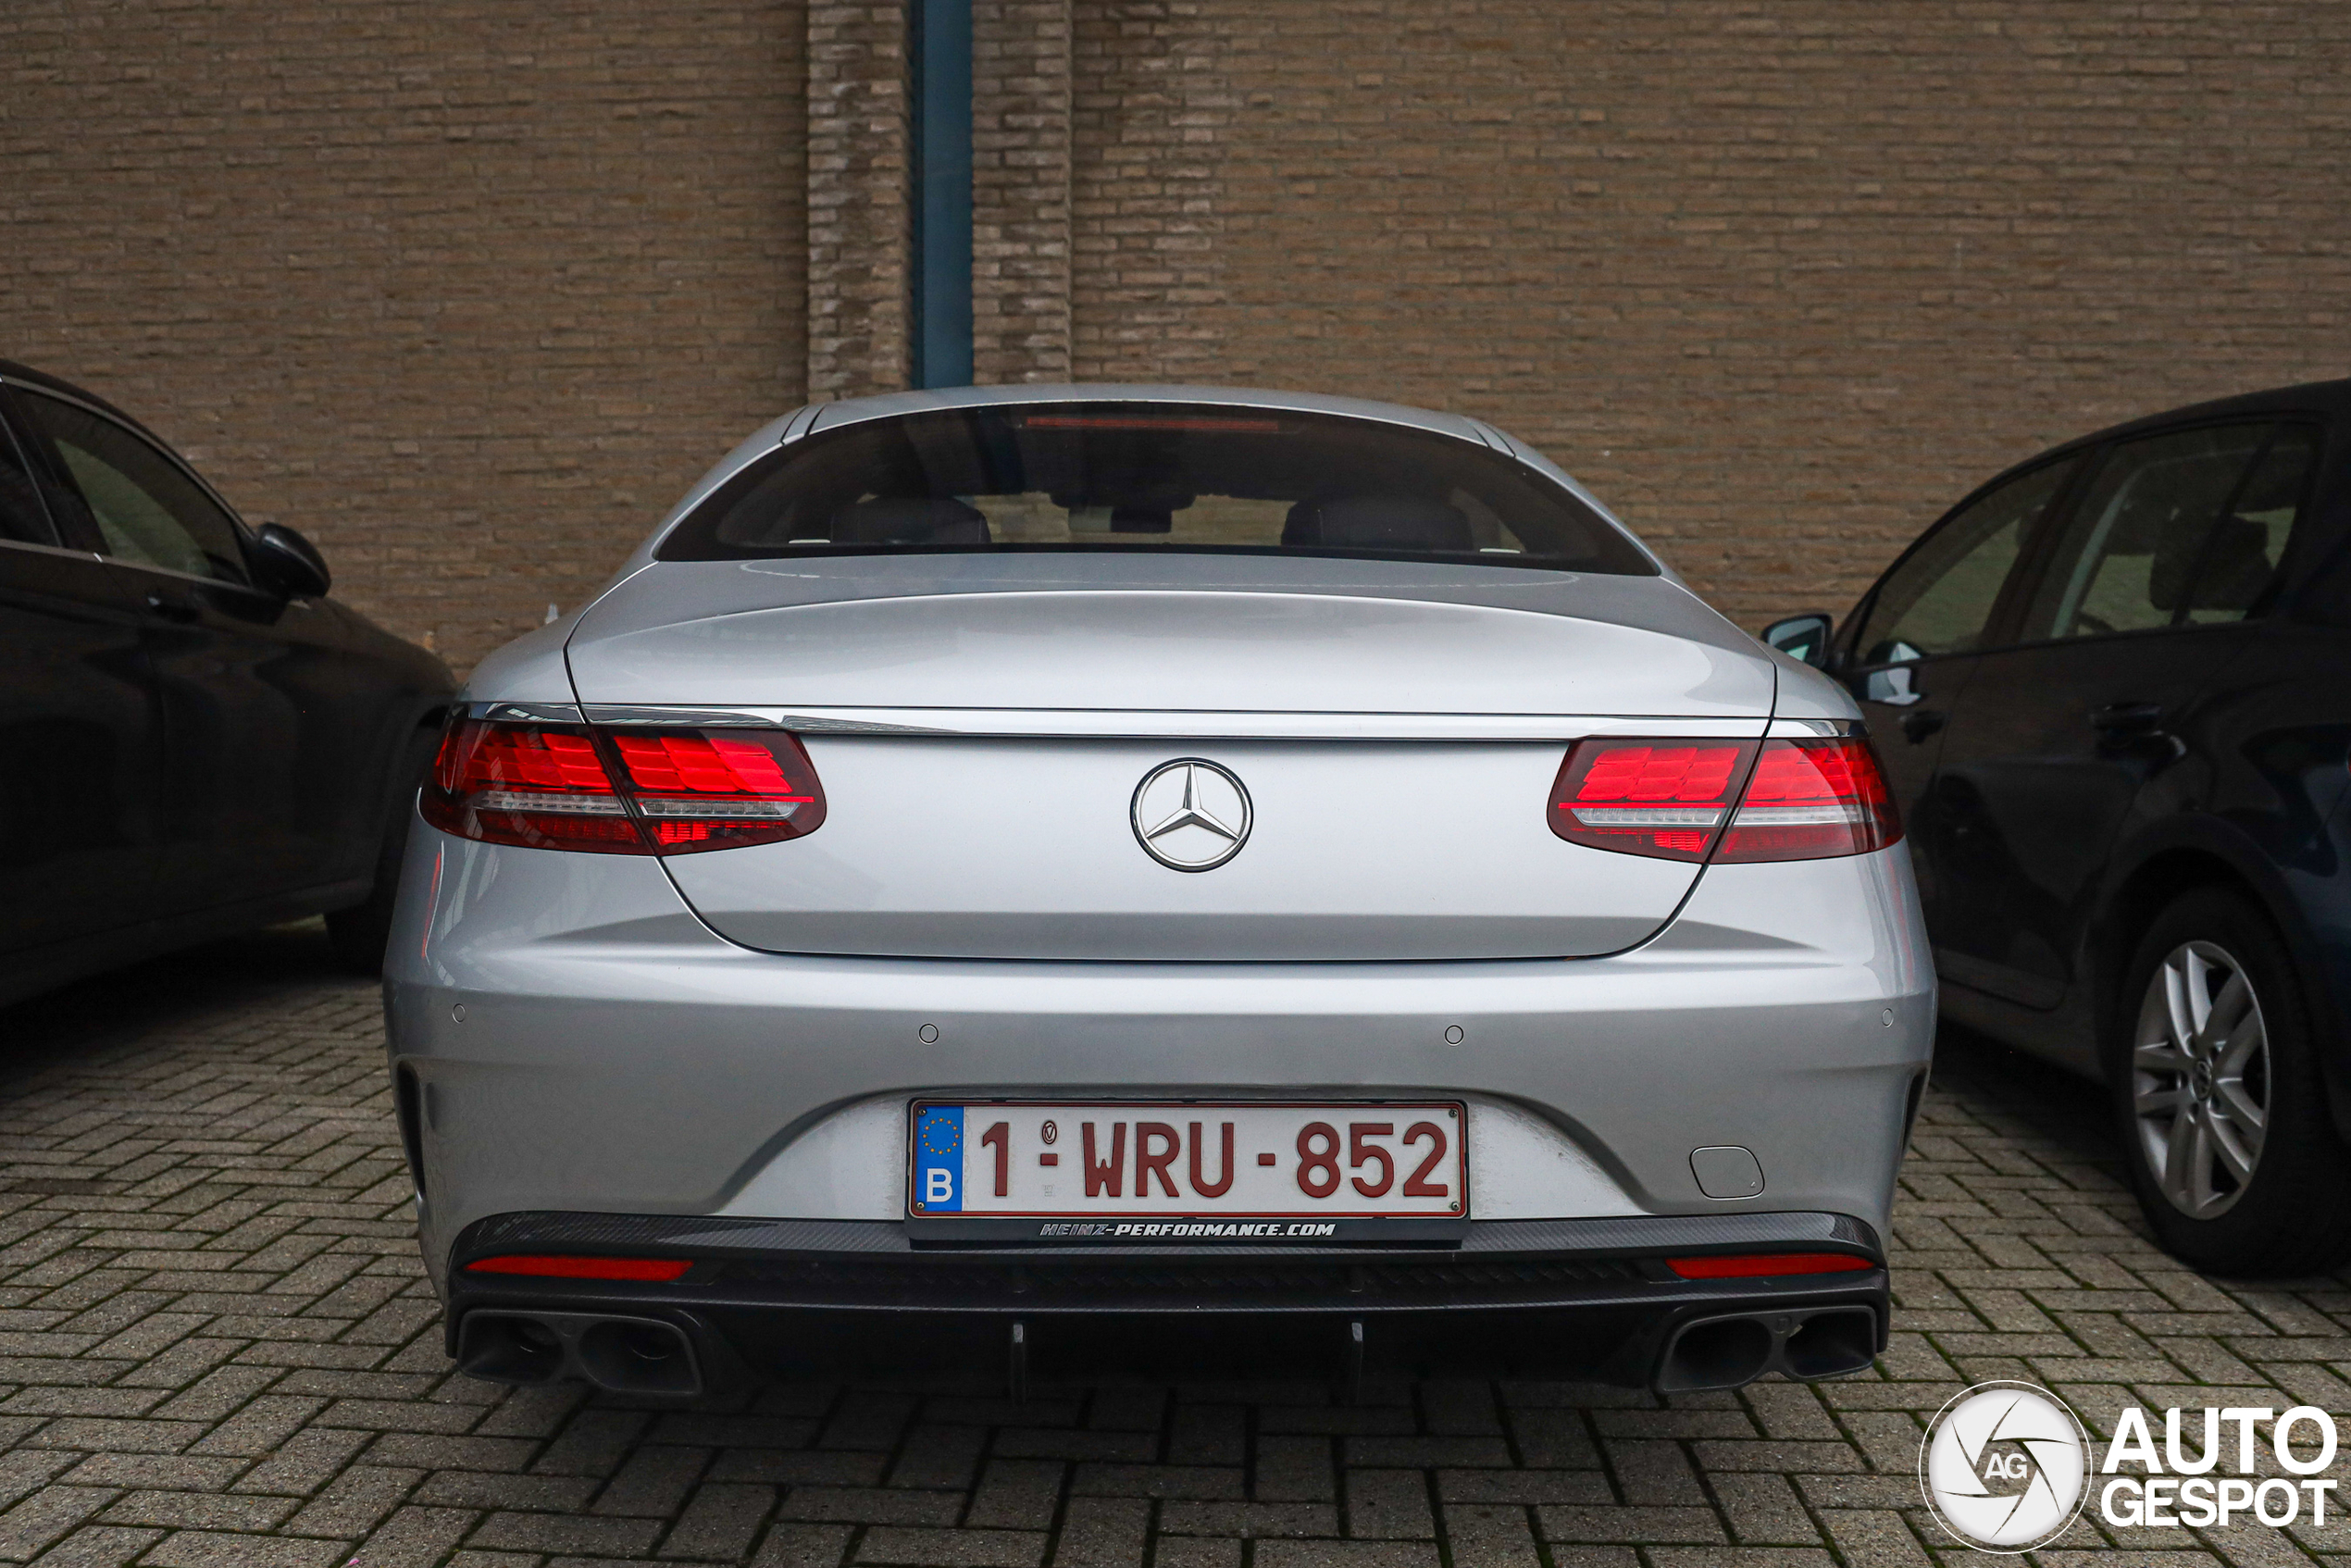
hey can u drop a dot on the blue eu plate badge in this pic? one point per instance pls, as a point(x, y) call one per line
point(939, 1160)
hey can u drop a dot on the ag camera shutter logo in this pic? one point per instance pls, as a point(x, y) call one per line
point(2004, 1467)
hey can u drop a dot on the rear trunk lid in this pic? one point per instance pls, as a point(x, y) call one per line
point(982, 726)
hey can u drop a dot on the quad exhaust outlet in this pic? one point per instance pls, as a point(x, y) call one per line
point(1730, 1351)
point(622, 1355)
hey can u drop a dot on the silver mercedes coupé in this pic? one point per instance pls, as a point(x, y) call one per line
point(1036, 879)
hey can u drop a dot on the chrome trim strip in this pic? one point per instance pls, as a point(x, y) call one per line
point(1814, 728)
point(527, 713)
point(178, 575)
point(818, 724)
point(1125, 724)
point(706, 718)
point(41, 549)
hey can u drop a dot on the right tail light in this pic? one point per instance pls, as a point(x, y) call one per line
point(1808, 799)
point(637, 791)
point(1724, 799)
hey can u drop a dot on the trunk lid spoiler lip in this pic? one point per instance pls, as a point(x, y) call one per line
point(1125, 724)
point(653, 596)
point(1182, 725)
point(688, 641)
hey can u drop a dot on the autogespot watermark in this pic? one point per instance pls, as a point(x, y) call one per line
point(2004, 1466)
point(2008, 1467)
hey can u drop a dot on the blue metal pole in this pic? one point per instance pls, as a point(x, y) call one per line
point(940, 50)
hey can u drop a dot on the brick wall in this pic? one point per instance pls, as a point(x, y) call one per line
point(1153, 123)
point(859, 159)
point(1021, 134)
point(468, 291)
point(1780, 282)
point(471, 290)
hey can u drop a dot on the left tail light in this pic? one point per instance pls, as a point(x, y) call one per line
point(641, 791)
point(715, 789)
point(1724, 799)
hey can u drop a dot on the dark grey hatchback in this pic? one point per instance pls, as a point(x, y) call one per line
point(2112, 691)
point(193, 738)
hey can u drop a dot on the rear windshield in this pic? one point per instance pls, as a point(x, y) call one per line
point(1130, 475)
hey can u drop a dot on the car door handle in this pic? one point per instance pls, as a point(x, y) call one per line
point(1916, 726)
point(172, 609)
point(2121, 719)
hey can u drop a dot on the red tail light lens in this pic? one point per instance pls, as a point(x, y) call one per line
point(543, 786)
point(649, 792)
point(1726, 799)
point(717, 789)
point(1662, 798)
point(1810, 799)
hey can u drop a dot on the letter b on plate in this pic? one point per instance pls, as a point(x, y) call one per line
point(939, 1160)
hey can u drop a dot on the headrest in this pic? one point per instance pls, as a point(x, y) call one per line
point(1377, 522)
point(912, 520)
point(2228, 573)
point(1142, 519)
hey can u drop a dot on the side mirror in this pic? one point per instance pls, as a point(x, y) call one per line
point(286, 563)
point(1804, 637)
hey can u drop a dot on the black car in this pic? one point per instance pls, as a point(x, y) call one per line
point(194, 738)
point(2112, 690)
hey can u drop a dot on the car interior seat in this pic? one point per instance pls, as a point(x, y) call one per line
point(1377, 522)
point(2228, 573)
point(911, 519)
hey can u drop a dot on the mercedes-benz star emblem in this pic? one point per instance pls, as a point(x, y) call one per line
point(1190, 815)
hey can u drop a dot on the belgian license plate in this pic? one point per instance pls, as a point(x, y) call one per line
point(1328, 1159)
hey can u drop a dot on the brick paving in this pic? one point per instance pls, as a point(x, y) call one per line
point(217, 1346)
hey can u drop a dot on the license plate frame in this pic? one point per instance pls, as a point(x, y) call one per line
point(1275, 1206)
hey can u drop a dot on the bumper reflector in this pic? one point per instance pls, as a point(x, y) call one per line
point(661, 1269)
point(1756, 1265)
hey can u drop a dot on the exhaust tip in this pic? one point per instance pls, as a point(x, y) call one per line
point(638, 1356)
point(1727, 1353)
point(506, 1347)
point(1720, 1352)
point(624, 1355)
point(1831, 1344)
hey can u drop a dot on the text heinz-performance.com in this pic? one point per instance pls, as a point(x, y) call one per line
point(1179, 1228)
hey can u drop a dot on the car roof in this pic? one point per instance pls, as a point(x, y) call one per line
point(2331, 398)
point(2320, 397)
point(831, 416)
point(14, 370)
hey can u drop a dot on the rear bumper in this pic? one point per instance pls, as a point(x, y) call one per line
point(568, 1037)
point(1580, 1299)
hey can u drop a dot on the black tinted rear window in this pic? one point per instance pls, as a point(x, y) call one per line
point(1137, 476)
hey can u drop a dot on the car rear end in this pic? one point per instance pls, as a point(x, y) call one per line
point(1096, 879)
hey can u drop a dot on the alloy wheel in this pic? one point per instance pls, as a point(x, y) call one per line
point(2200, 1080)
